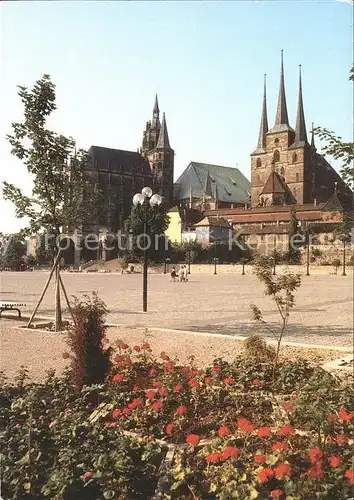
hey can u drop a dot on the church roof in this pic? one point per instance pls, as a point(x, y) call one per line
point(118, 160)
point(232, 185)
point(274, 184)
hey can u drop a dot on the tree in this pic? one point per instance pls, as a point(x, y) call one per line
point(281, 289)
point(12, 252)
point(339, 149)
point(61, 196)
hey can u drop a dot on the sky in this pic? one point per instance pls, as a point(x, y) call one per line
point(205, 60)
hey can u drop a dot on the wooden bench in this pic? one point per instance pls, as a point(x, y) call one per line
point(9, 305)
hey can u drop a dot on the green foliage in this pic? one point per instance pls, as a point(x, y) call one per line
point(12, 252)
point(281, 289)
point(257, 347)
point(90, 359)
point(61, 197)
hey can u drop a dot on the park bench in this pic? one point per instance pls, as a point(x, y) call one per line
point(9, 305)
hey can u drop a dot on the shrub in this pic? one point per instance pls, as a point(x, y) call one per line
point(90, 360)
point(257, 347)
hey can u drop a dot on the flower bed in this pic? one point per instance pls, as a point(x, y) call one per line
point(232, 431)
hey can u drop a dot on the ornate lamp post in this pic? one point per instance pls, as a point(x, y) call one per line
point(243, 262)
point(146, 198)
point(215, 261)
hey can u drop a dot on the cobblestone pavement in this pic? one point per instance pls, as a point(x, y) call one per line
point(221, 304)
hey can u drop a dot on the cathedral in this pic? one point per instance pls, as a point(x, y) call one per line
point(119, 174)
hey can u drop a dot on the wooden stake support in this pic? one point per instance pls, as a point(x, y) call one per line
point(58, 285)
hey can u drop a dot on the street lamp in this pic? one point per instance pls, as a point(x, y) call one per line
point(243, 262)
point(307, 234)
point(215, 261)
point(344, 244)
point(167, 260)
point(146, 198)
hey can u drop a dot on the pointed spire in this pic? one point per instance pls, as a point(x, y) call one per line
point(207, 187)
point(313, 136)
point(263, 128)
point(281, 120)
point(300, 129)
point(163, 141)
point(155, 114)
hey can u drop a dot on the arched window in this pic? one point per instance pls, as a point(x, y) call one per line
point(259, 162)
point(276, 156)
point(294, 157)
point(297, 177)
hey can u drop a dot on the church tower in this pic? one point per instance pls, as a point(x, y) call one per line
point(156, 148)
point(282, 153)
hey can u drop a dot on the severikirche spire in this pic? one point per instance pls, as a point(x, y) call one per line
point(281, 120)
point(263, 128)
point(163, 141)
point(300, 129)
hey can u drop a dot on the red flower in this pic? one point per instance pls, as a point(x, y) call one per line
point(178, 388)
point(181, 410)
point(213, 457)
point(116, 413)
point(287, 407)
point(146, 346)
point(118, 378)
point(169, 366)
point(230, 452)
point(245, 425)
point(124, 346)
point(157, 405)
point(152, 373)
point(256, 382)
point(207, 380)
point(216, 368)
point(164, 356)
point(136, 388)
point(137, 348)
point(193, 382)
point(259, 459)
point(332, 417)
point(344, 415)
point(117, 357)
point(341, 439)
point(276, 493)
point(87, 476)
point(156, 384)
point(223, 431)
point(66, 355)
point(193, 439)
point(228, 381)
point(316, 470)
point(264, 474)
point(349, 474)
point(264, 432)
point(282, 470)
point(280, 446)
point(315, 455)
point(150, 395)
point(126, 411)
point(286, 430)
point(335, 461)
point(163, 392)
point(169, 428)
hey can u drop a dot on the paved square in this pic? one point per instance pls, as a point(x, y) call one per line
point(221, 304)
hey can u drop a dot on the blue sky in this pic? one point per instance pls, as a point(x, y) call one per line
point(205, 60)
